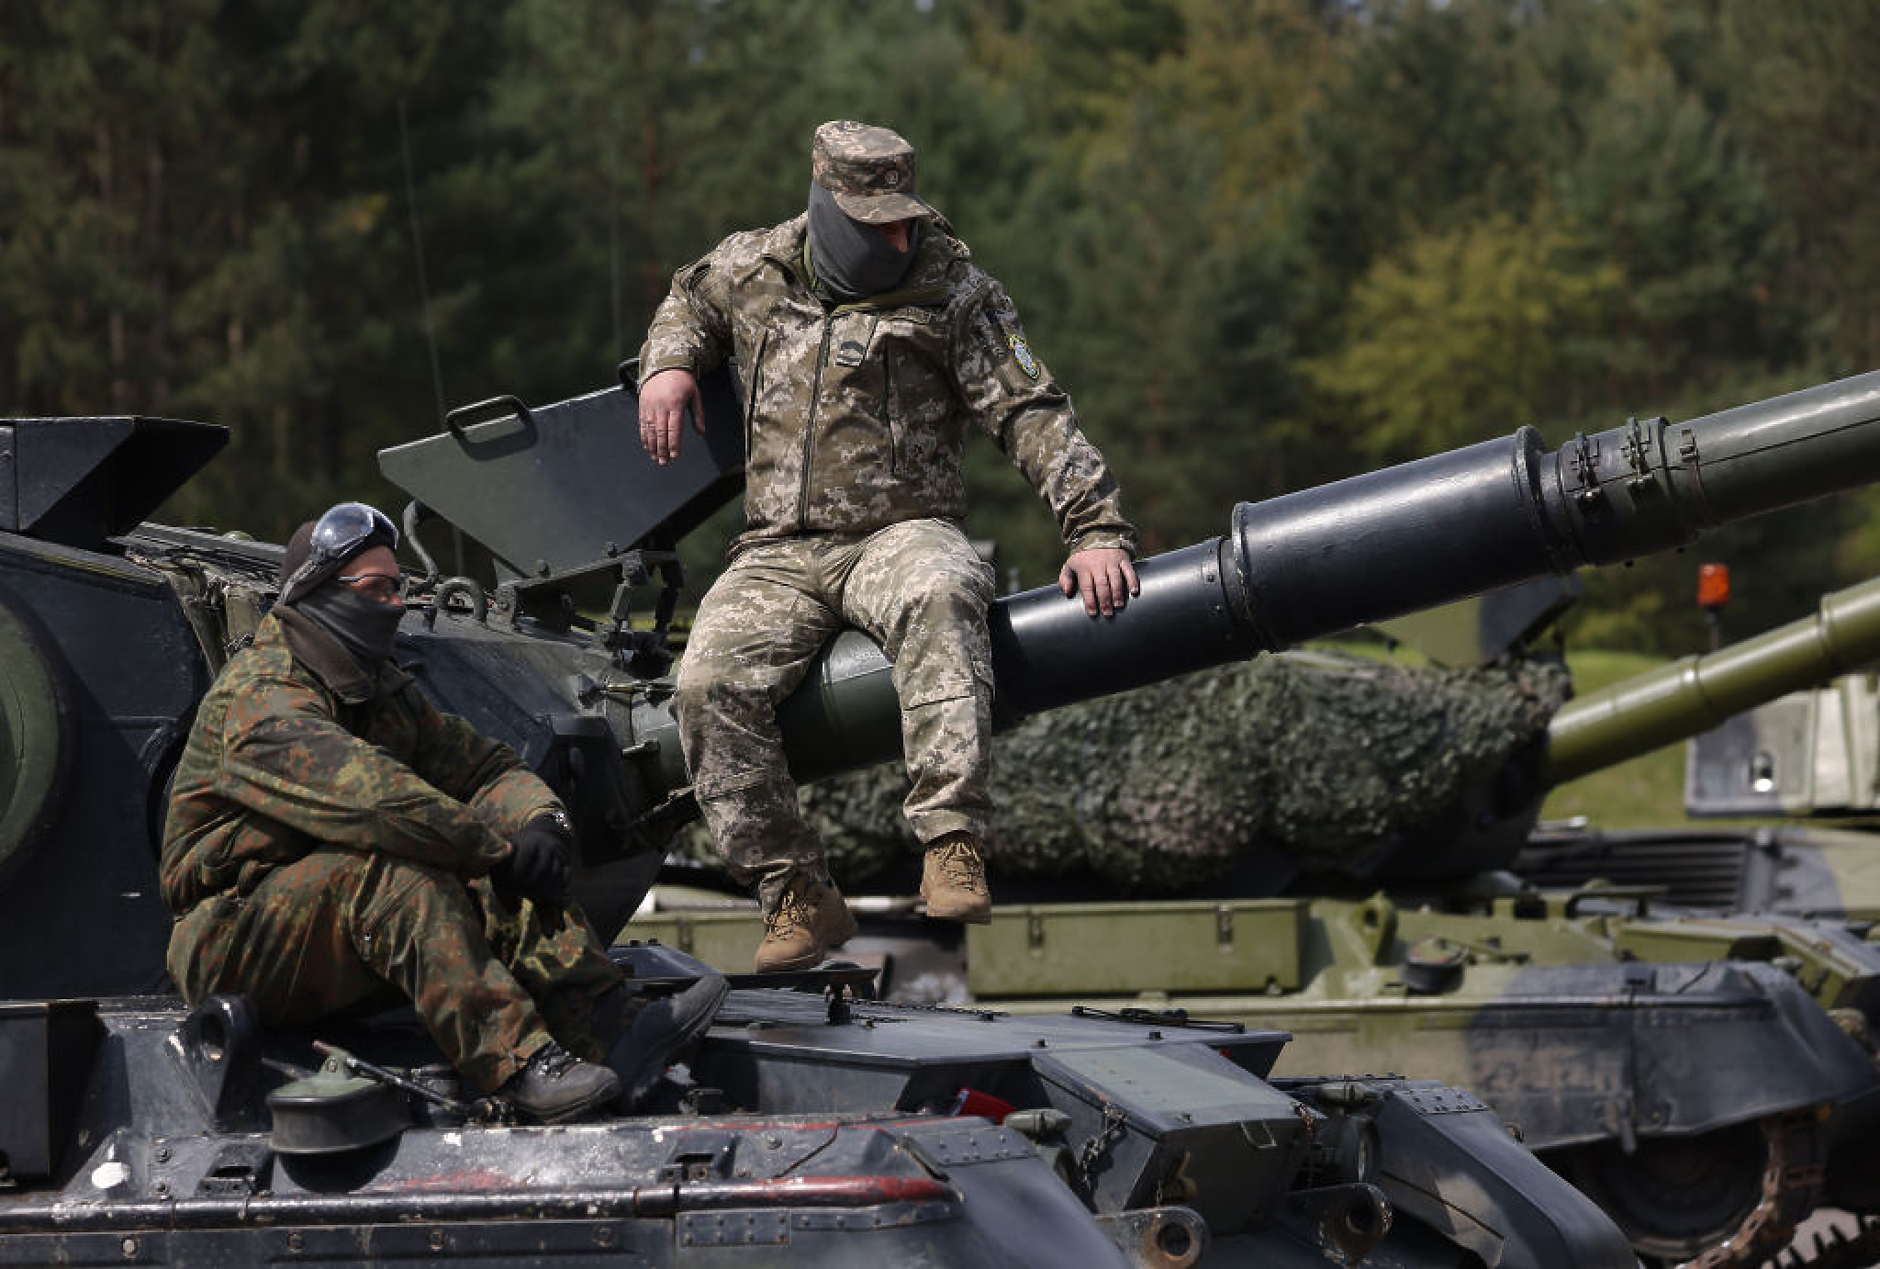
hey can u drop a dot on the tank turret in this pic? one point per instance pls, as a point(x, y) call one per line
point(1297, 567)
point(1784, 726)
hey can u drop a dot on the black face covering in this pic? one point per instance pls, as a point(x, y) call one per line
point(852, 260)
point(364, 627)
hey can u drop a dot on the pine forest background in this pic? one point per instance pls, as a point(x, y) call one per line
point(1266, 243)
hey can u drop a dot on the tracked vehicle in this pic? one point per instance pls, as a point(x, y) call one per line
point(1800, 754)
point(1621, 1073)
point(1706, 1074)
point(808, 1121)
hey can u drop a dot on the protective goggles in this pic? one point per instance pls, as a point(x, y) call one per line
point(337, 535)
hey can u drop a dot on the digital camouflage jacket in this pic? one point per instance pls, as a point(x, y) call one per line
point(856, 414)
point(294, 746)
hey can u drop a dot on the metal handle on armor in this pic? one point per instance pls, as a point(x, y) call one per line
point(455, 419)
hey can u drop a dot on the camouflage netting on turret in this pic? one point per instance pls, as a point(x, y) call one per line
point(1330, 759)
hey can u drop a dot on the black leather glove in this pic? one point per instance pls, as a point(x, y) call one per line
point(541, 863)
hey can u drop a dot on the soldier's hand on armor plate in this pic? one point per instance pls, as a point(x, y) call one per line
point(1104, 574)
point(540, 863)
point(663, 402)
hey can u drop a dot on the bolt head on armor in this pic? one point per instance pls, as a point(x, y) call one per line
point(869, 170)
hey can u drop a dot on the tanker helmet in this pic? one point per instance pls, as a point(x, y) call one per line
point(319, 550)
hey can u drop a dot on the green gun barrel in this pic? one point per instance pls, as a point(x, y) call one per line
point(1696, 693)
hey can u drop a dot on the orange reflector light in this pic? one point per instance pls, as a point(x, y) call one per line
point(1713, 585)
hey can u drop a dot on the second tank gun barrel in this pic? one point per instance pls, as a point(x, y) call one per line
point(1376, 546)
point(1695, 693)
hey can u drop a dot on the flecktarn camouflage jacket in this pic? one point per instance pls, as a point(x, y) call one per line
point(294, 746)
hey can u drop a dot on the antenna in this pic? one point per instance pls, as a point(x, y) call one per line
point(424, 297)
point(613, 242)
point(417, 245)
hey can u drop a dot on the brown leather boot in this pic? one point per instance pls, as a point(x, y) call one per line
point(953, 880)
point(810, 918)
point(555, 1086)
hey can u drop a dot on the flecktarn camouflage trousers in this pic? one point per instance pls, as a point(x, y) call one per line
point(919, 590)
point(341, 930)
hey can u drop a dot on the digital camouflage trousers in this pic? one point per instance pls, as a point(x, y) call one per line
point(920, 591)
point(339, 931)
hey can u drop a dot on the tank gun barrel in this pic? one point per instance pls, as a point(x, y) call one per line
point(1695, 693)
point(1377, 546)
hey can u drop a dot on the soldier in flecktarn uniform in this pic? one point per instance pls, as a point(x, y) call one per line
point(335, 843)
point(868, 342)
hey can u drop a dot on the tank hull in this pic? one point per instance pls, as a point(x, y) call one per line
point(1610, 1035)
point(810, 1128)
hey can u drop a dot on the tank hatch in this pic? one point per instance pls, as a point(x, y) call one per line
point(562, 490)
point(78, 481)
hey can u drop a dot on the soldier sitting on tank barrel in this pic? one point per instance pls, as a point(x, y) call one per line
point(335, 843)
point(867, 342)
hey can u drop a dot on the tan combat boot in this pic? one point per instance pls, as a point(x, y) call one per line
point(810, 918)
point(953, 881)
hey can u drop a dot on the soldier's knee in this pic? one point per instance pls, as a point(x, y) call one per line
point(409, 886)
point(945, 607)
point(716, 687)
point(960, 584)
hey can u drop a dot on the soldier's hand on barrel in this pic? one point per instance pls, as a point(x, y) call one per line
point(540, 863)
point(664, 399)
point(1104, 575)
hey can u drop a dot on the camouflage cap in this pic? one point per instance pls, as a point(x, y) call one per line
point(870, 171)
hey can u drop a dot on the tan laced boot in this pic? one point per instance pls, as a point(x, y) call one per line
point(953, 881)
point(810, 918)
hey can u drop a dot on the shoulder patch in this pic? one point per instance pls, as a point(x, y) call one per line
point(1021, 353)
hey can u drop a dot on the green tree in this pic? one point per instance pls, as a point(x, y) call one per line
point(212, 224)
point(102, 187)
point(1806, 93)
point(1423, 123)
point(1673, 203)
point(1149, 252)
point(1464, 334)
